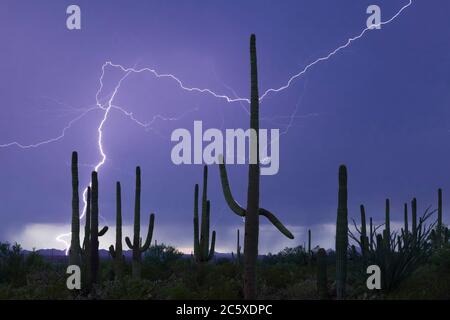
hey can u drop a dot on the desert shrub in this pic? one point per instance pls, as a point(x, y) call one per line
point(41, 285)
point(174, 290)
point(13, 268)
point(295, 255)
point(303, 290)
point(127, 289)
point(441, 258)
point(221, 287)
point(427, 282)
point(162, 254)
point(159, 261)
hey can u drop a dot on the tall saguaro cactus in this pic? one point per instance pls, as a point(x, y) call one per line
point(406, 228)
point(414, 218)
point(309, 242)
point(136, 246)
point(364, 237)
point(94, 234)
point(253, 210)
point(371, 242)
point(87, 240)
point(439, 227)
point(202, 251)
point(75, 249)
point(387, 226)
point(117, 253)
point(310, 254)
point(341, 234)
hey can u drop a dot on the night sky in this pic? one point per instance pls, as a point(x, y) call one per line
point(380, 106)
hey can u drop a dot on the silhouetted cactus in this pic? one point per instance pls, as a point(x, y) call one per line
point(406, 227)
point(117, 253)
point(75, 249)
point(94, 233)
point(322, 279)
point(439, 227)
point(341, 234)
point(136, 246)
point(414, 218)
point(202, 252)
point(371, 234)
point(310, 254)
point(87, 242)
point(253, 210)
point(364, 238)
point(309, 241)
point(387, 226)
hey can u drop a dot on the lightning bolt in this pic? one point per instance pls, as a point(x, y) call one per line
point(335, 51)
point(51, 140)
point(109, 106)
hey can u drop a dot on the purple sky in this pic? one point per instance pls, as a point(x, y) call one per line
point(381, 106)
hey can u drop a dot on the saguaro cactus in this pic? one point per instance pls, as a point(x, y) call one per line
point(202, 252)
point(75, 249)
point(406, 227)
point(309, 241)
point(136, 246)
point(439, 227)
point(414, 218)
point(371, 234)
point(364, 237)
point(387, 226)
point(238, 248)
point(94, 234)
point(322, 280)
point(87, 241)
point(341, 234)
point(116, 253)
point(253, 210)
point(310, 254)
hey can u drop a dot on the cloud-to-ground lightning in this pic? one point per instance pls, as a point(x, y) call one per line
point(109, 105)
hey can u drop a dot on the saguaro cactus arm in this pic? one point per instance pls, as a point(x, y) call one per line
point(277, 223)
point(202, 250)
point(236, 207)
point(233, 204)
point(129, 244)
point(103, 231)
point(148, 240)
point(213, 245)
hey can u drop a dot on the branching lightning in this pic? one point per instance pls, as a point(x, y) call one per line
point(335, 51)
point(109, 106)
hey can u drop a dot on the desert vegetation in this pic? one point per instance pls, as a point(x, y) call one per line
point(414, 261)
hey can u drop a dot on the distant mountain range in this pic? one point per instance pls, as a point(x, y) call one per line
point(56, 254)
